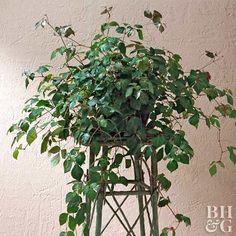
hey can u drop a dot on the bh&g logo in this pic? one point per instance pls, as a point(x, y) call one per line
point(219, 218)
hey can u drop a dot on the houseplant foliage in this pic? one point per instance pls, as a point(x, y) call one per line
point(121, 93)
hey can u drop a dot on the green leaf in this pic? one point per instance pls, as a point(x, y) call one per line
point(213, 170)
point(148, 14)
point(68, 32)
point(164, 182)
point(140, 34)
point(55, 160)
point(147, 152)
point(120, 30)
point(31, 136)
point(95, 147)
point(72, 223)
point(67, 164)
point(230, 99)
point(63, 234)
point(113, 23)
point(232, 114)
point(158, 141)
point(221, 164)
point(113, 177)
point(77, 172)
point(232, 155)
point(80, 158)
point(123, 180)
point(210, 54)
point(163, 202)
point(85, 230)
point(172, 165)
point(129, 92)
point(63, 218)
point(161, 28)
point(85, 138)
point(194, 120)
point(42, 69)
point(54, 149)
point(164, 232)
point(90, 193)
point(15, 153)
point(122, 48)
point(160, 154)
point(133, 125)
point(103, 123)
point(70, 233)
point(24, 126)
point(117, 161)
point(182, 218)
point(44, 144)
point(183, 158)
point(156, 17)
point(80, 215)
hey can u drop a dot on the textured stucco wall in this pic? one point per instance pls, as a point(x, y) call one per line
point(32, 193)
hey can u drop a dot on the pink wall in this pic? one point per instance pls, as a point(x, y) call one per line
point(32, 192)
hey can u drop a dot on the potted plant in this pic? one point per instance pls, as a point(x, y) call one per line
point(118, 102)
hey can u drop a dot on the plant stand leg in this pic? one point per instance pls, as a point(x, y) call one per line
point(154, 200)
point(100, 200)
point(99, 206)
point(88, 201)
point(138, 177)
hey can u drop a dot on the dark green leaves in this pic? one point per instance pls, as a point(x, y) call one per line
point(182, 218)
point(44, 143)
point(72, 223)
point(148, 14)
point(54, 149)
point(42, 69)
point(63, 218)
point(163, 202)
point(77, 172)
point(156, 18)
point(232, 114)
point(164, 182)
point(122, 48)
point(210, 54)
point(140, 34)
point(133, 125)
point(120, 30)
point(214, 167)
point(95, 147)
point(65, 31)
point(172, 165)
point(67, 164)
point(160, 154)
point(194, 120)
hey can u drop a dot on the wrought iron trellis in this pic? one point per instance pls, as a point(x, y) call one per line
point(147, 196)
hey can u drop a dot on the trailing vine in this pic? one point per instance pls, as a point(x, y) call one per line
point(118, 92)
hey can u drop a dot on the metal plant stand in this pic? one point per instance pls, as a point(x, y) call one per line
point(147, 200)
